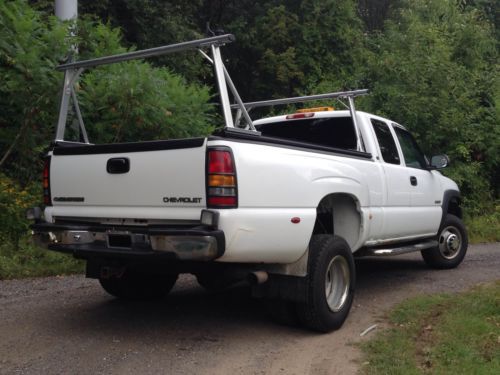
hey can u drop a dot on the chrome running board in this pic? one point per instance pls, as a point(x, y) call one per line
point(390, 251)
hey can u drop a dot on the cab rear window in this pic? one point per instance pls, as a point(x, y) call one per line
point(337, 132)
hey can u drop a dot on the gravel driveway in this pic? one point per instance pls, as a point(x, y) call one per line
point(68, 325)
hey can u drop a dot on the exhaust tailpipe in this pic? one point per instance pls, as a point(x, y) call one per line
point(257, 277)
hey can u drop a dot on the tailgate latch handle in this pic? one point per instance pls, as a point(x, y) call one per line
point(118, 165)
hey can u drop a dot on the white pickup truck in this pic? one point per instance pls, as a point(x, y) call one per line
point(285, 202)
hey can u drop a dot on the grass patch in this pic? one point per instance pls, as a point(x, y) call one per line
point(484, 228)
point(442, 334)
point(30, 261)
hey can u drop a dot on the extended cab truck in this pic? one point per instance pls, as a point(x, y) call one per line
point(285, 202)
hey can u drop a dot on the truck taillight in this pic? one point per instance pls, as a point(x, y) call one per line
point(47, 199)
point(222, 191)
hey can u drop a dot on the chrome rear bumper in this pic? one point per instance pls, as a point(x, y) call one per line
point(195, 243)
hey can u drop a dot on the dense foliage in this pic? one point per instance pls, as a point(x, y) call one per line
point(123, 102)
point(435, 70)
point(431, 65)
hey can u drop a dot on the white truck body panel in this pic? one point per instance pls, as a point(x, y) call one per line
point(153, 176)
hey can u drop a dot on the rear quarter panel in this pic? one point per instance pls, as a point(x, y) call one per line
point(276, 184)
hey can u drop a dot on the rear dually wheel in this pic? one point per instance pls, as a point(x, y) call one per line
point(330, 284)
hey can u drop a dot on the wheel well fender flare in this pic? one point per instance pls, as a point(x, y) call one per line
point(451, 204)
point(331, 207)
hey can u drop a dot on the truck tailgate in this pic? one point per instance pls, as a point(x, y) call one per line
point(159, 174)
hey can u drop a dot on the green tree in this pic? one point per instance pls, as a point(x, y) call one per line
point(289, 48)
point(144, 101)
point(29, 52)
point(332, 45)
point(152, 23)
point(435, 70)
point(133, 101)
point(374, 13)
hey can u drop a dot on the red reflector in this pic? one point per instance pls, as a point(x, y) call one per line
point(295, 220)
point(220, 162)
point(222, 201)
point(299, 115)
point(47, 199)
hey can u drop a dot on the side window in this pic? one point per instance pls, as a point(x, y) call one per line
point(414, 158)
point(386, 142)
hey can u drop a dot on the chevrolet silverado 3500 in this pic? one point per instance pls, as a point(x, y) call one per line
point(284, 202)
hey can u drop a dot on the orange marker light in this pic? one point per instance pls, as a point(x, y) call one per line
point(315, 109)
point(221, 180)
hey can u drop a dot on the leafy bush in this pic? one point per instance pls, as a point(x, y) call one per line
point(128, 101)
point(14, 200)
point(133, 101)
point(30, 261)
point(484, 228)
point(29, 51)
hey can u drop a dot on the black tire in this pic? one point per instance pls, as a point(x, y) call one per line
point(139, 286)
point(212, 282)
point(330, 258)
point(452, 247)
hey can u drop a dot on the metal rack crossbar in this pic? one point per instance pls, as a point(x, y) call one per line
point(301, 99)
point(184, 46)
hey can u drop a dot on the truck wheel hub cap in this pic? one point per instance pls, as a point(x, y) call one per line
point(337, 282)
point(450, 242)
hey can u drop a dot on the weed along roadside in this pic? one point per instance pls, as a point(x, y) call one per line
point(30, 261)
point(442, 334)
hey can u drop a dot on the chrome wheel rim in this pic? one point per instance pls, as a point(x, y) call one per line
point(450, 242)
point(337, 281)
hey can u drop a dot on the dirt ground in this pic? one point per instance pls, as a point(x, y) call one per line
point(68, 325)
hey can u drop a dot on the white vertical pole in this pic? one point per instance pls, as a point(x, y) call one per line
point(66, 9)
point(221, 82)
point(352, 109)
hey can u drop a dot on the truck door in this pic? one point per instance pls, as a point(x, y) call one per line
point(397, 201)
point(425, 185)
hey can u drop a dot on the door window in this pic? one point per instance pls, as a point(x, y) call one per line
point(414, 158)
point(386, 142)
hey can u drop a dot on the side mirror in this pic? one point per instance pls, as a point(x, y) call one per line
point(439, 161)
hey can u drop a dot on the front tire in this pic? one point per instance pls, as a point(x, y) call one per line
point(139, 286)
point(330, 284)
point(452, 245)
